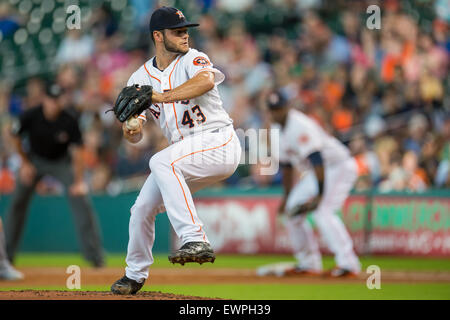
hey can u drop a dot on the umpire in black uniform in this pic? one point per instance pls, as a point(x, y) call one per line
point(53, 140)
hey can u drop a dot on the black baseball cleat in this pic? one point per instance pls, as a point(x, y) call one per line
point(199, 252)
point(126, 285)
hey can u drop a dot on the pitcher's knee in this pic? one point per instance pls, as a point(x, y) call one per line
point(158, 163)
point(141, 210)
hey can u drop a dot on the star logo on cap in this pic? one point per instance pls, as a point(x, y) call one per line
point(180, 14)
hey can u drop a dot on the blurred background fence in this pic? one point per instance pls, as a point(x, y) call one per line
point(245, 222)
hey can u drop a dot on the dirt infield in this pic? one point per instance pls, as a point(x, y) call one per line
point(90, 295)
point(57, 277)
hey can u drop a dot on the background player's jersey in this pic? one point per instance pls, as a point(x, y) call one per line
point(183, 118)
point(302, 136)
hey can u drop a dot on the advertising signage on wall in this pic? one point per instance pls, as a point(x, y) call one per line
point(418, 226)
point(405, 225)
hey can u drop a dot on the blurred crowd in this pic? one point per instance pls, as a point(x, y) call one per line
point(384, 92)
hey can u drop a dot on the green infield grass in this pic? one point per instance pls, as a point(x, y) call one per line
point(359, 291)
point(235, 261)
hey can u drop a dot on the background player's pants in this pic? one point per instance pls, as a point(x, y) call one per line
point(176, 173)
point(82, 210)
point(339, 181)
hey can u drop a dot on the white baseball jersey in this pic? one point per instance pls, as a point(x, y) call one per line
point(302, 136)
point(183, 118)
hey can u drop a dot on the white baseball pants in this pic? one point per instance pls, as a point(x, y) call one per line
point(339, 181)
point(176, 173)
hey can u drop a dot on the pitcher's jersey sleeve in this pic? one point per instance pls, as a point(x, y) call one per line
point(197, 62)
point(133, 81)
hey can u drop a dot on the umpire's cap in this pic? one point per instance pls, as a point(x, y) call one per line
point(276, 100)
point(168, 18)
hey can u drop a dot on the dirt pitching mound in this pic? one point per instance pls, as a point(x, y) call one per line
point(91, 295)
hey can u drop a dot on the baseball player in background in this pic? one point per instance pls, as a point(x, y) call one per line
point(328, 175)
point(204, 147)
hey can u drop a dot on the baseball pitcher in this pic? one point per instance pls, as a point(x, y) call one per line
point(178, 88)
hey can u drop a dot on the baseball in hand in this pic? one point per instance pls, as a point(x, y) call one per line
point(133, 124)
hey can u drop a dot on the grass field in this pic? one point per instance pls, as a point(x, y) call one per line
point(267, 291)
point(236, 261)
